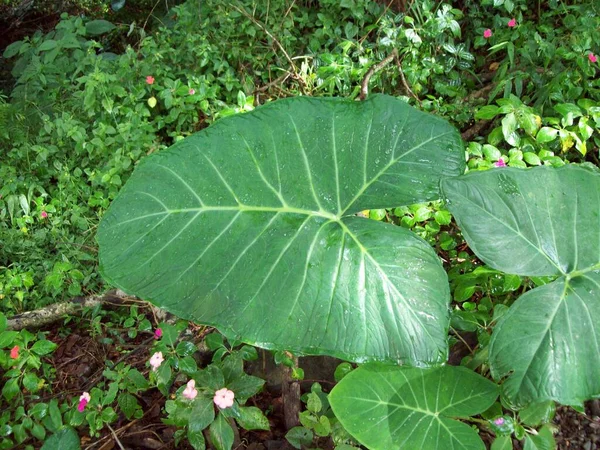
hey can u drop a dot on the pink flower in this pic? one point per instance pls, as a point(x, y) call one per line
point(83, 400)
point(512, 23)
point(592, 58)
point(499, 421)
point(156, 360)
point(157, 333)
point(500, 163)
point(150, 79)
point(44, 214)
point(191, 92)
point(487, 33)
point(224, 398)
point(190, 391)
point(14, 352)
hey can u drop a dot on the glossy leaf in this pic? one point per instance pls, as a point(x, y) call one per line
point(390, 407)
point(542, 222)
point(249, 226)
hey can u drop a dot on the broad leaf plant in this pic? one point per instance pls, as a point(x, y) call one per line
point(251, 226)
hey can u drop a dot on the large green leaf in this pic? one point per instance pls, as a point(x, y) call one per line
point(249, 226)
point(389, 407)
point(540, 221)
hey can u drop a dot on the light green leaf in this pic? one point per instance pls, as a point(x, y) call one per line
point(221, 433)
point(546, 134)
point(544, 440)
point(97, 27)
point(64, 439)
point(540, 222)
point(502, 443)
point(252, 418)
point(537, 413)
point(254, 217)
point(509, 130)
point(390, 407)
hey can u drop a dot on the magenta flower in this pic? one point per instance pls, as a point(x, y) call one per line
point(592, 58)
point(512, 23)
point(157, 333)
point(499, 421)
point(190, 391)
point(191, 92)
point(83, 400)
point(224, 398)
point(150, 79)
point(487, 33)
point(156, 360)
point(500, 163)
point(43, 214)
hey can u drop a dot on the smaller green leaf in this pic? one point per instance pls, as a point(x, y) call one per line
point(12, 49)
point(221, 433)
point(196, 438)
point(128, 404)
point(252, 418)
point(211, 377)
point(342, 370)
point(7, 338)
point(47, 45)
point(502, 443)
point(491, 153)
point(532, 159)
point(544, 440)
point(188, 365)
point(245, 387)
point(538, 413)
point(38, 431)
point(546, 134)
point(248, 353)
point(138, 380)
point(203, 413)
point(64, 439)
point(509, 127)
point(214, 341)
point(2, 322)
point(97, 27)
point(31, 382)
point(185, 348)
point(299, 436)
point(314, 403)
point(323, 426)
point(10, 389)
point(43, 347)
point(487, 112)
point(443, 217)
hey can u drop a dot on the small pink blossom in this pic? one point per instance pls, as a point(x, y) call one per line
point(512, 23)
point(224, 398)
point(157, 333)
point(156, 360)
point(500, 163)
point(190, 391)
point(43, 214)
point(14, 352)
point(487, 33)
point(83, 400)
point(593, 58)
point(499, 421)
point(191, 92)
point(150, 79)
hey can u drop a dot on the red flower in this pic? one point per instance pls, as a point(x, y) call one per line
point(14, 352)
point(150, 79)
point(487, 33)
point(512, 23)
point(592, 58)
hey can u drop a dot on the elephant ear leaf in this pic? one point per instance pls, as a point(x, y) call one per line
point(544, 222)
point(250, 226)
point(389, 407)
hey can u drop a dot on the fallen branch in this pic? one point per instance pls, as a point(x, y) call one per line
point(54, 313)
point(474, 130)
point(364, 86)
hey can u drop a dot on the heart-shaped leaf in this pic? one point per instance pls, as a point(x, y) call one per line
point(542, 222)
point(249, 226)
point(390, 407)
